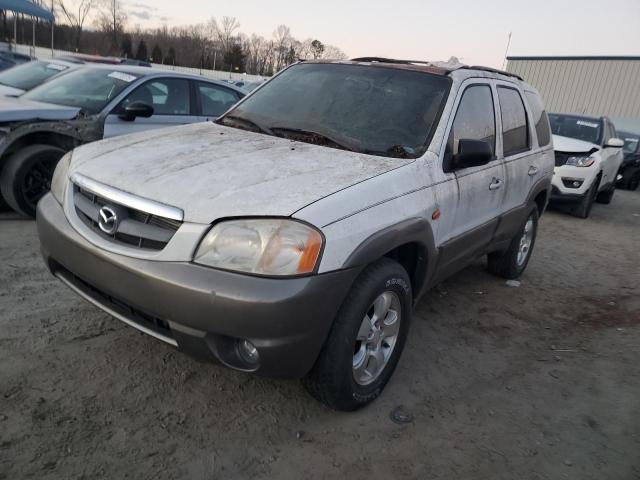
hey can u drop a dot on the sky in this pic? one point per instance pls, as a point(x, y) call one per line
point(475, 31)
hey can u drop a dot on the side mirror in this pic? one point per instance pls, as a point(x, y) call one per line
point(472, 153)
point(135, 110)
point(614, 143)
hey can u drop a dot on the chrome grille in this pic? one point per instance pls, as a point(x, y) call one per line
point(135, 228)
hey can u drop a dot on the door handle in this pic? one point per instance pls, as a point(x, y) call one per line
point(532, 170)
point(495, 184)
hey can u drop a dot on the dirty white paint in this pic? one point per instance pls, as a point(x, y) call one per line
point(211, 171)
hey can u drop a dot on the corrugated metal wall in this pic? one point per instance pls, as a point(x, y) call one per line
point(608, 87)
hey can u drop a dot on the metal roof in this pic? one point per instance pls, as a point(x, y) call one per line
point(606, 57)
point(28, 8)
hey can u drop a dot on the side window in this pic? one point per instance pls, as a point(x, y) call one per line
point(540, 118)
point(167, 96)
point(475, 119)
point(515, 128)
point(215, 99)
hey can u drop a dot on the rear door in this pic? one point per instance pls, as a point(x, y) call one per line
point(516, 146)
point(611, 157)
point(479, 195)
point(173, 104)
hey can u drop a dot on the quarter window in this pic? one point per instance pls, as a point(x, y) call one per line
point(515, 129)
point(475, 119)
point(216, 100)
point(540, 118)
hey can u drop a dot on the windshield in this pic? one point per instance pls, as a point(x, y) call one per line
point(381, 111)
point(30, 75)
point(631, 142)
point(88, 88)
point(581, 128)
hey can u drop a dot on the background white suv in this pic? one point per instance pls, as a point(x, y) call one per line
point(588, 156)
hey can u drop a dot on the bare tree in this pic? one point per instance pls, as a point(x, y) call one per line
point(112, 20)
point(76, 12)
point(226, 32)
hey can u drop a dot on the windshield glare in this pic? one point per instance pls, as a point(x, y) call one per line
point(30, 75)
point(581, 128)
point(88, 88)
point(376, 110)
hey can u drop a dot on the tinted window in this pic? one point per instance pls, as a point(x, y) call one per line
point(631, 142)
point(515, 130)
point(382, 111)
point(168, 96)
point(475, 119)
point(581, 128)
point(540, 119)
point(88, 88)
point(216, 100)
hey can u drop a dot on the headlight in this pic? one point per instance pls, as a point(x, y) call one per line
point(580, 161)
point(61, 178)
point(261, 246)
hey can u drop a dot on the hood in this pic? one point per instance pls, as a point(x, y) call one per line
point(211, 171)
point(7, 91)
point(20, 109)
point(566, 144)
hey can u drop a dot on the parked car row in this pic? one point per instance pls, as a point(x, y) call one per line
point(292, 235)
point(85, 104)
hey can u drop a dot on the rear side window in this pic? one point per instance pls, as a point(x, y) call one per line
point(215, 99)
point(475, 119)
point(515, 130)
point(540, 118)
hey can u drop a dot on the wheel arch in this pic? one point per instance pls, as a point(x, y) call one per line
point(39, 137)
point(410, 242)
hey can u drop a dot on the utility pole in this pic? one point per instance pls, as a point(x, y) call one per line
point(506, 52)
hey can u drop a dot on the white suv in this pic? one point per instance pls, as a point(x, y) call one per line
point(588, 156)
point(293, 236)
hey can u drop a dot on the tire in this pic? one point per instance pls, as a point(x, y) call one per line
point(511, 263)
point(583, 209)
point(347, 373)
point(26, 176)
point(606, 196)
point(4, 207)
point(633, 182)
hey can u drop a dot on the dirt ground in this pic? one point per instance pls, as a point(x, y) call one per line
point(540, 381)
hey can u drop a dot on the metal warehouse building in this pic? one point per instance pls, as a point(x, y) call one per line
point(589, 85)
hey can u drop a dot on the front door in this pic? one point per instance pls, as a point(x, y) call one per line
point(476, 192)
point(170, 98)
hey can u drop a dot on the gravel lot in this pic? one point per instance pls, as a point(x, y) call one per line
point(540, 381)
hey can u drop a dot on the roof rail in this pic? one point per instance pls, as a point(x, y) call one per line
point(391, 60)
point(492, 70)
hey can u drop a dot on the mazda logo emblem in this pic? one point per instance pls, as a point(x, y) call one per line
point(108, 221)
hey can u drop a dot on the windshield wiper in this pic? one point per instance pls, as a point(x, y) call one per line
point(312, 137)
point(244, 121)
point(396, 151)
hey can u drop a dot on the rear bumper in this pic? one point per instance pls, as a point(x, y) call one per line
point(200, 310)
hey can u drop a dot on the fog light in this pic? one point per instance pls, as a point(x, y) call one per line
point(248, 352)
point(577, 184)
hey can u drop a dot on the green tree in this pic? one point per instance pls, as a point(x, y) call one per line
point(171, 57)
point(234, 58)
point(141, 53)
point(156, 54)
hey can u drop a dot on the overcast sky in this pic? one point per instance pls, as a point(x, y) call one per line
point(473, 30)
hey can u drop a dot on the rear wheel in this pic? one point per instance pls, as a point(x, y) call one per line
point(511, 263)
point(366, 339)
point(634, 181)
point(26, 177)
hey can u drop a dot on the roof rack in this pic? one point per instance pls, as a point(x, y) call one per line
point(443, 65)
point(492, 70)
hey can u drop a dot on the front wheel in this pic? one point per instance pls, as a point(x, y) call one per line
point(510, 264)
point(366, 339)
point(26, 176)
point(606, 196)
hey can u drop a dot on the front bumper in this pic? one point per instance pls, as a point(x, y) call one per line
point(200, 310)
point(566, 174)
